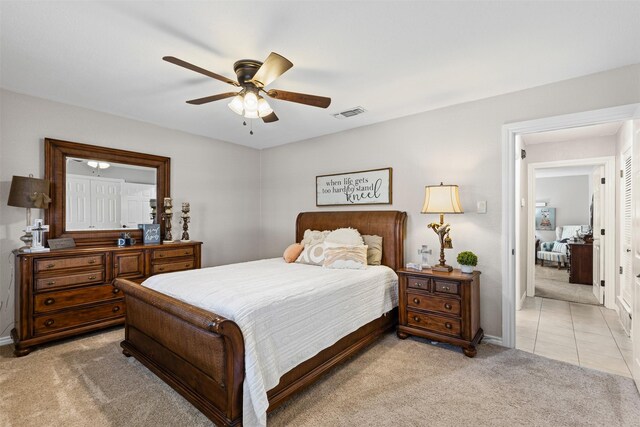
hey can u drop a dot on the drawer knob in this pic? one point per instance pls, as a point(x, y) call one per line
point(416, 318)
point(51, 282)
point(92, 261)
point(161, 269)
point(116, 290)
point(416, 301)
point(447, 325)
point(92, 277)
point(51, 265)
point(116, 309)
point(417, 284)
point(49, 322)
point(447, 306)
point(160, 255)
point(49, 301)
point(446, 288)
point(186, 265)
point(186, 252)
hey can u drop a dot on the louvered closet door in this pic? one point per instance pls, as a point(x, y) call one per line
point(598, 241)
point(626, 291)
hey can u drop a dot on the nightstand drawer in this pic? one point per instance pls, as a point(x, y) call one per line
point(440, 324)
point(433, 303)
point(446, 287)
point(418, 283)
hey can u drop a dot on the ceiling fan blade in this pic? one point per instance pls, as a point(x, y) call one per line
point(273, 67)
point(212, 98)
point(197, 69)
point(300, 98)
point(270, 118)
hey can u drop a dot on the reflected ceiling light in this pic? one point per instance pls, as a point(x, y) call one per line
point(98, 165)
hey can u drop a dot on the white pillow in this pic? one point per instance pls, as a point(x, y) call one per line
point(345, 236)
point(311, 237)
point(340, 256)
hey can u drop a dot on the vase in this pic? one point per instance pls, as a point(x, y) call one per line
point(466, 268)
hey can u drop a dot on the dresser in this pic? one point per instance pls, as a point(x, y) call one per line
point(67, 292)
point(581, 262)
point(441, 306)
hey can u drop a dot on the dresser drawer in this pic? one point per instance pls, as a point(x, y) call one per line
point(433, 303)
point(431, 322)
point(52, 301)
point(53, 264)
point(55, 282)
point(446, 287)
point(171, 266)
point(418, 283)
point(72, 318)
point(172, 253)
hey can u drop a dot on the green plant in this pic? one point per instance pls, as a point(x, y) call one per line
point(467, 258)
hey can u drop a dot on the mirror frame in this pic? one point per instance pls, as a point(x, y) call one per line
point(55, 165)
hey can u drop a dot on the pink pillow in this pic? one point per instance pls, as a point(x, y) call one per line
point(292, 252)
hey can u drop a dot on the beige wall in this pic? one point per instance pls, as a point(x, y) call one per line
point(221, 180)
point(459, 144)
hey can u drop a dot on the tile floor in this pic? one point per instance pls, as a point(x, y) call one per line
point(581, 334)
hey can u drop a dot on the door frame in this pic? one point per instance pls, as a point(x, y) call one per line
point(509, 133)
point(609, 220)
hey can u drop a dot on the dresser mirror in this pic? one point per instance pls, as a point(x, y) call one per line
point(98, 192)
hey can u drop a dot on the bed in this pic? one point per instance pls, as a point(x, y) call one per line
point(201, 354)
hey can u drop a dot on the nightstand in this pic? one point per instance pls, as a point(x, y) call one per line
point(441, 306)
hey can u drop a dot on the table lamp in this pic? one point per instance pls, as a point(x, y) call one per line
point(29, 192)
point(442, 199)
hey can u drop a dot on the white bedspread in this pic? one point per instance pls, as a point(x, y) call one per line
point(287, 312)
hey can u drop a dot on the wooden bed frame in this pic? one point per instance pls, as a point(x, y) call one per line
point(201, 354)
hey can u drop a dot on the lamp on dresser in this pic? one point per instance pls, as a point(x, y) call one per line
point(29, 192)
point(442, 199)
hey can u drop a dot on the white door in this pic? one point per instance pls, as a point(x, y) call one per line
point(598, 241)
point(78, 202)
point(105, 204)
point(635, 247)
point(135, 204)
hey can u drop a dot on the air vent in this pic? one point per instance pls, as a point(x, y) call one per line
point(349, 113)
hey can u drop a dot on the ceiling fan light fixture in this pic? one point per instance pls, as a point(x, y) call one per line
point(251, 114)
point(237, 104)
point(264, 109)
point(250, 101)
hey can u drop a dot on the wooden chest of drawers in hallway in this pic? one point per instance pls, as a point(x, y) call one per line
point(67, 292)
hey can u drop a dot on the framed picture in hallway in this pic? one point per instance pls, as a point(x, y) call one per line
point(546, 219)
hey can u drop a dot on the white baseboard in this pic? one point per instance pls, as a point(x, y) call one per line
point(521, 303)
point(490, 339)
point(6, 340)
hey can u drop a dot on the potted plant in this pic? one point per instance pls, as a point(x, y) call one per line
point(467, 261)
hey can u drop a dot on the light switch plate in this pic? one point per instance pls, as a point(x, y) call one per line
point(482, 206)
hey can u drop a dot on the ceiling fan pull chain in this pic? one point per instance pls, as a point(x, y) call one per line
point(251, 131)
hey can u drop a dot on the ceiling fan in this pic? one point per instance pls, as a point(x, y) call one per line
point(252, 77)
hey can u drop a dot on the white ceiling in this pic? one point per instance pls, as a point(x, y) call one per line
point(392, 58)
point(573, 134)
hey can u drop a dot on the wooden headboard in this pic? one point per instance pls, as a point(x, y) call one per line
point(388, 224)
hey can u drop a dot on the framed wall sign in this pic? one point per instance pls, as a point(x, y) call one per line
point(371, 187)
point(546, 219)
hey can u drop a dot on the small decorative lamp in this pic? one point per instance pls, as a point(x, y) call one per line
point(29, 192)
point(442, 199)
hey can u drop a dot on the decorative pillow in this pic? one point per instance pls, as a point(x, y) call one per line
point(374, 249)
point(345, 256)
point(292, 252)
point(312, 254)
point(547, 246)
point(345, 236)
point(311, 237)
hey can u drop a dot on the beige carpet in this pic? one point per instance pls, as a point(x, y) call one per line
point(553, 283)
point(88, 382)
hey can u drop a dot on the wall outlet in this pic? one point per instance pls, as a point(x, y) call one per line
point(482, 207)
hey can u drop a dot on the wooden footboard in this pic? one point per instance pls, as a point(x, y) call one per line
point(198, 353)
point(201, 354)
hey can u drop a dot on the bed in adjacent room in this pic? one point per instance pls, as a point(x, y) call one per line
point(238, 340)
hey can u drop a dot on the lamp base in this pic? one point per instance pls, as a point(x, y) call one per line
point(443, 268)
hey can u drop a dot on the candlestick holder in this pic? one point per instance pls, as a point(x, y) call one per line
point(185, 220)
point(167, 215)
point(154, 205)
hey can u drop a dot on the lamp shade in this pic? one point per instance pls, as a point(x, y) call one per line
point(441, 199)
point(29, 192)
